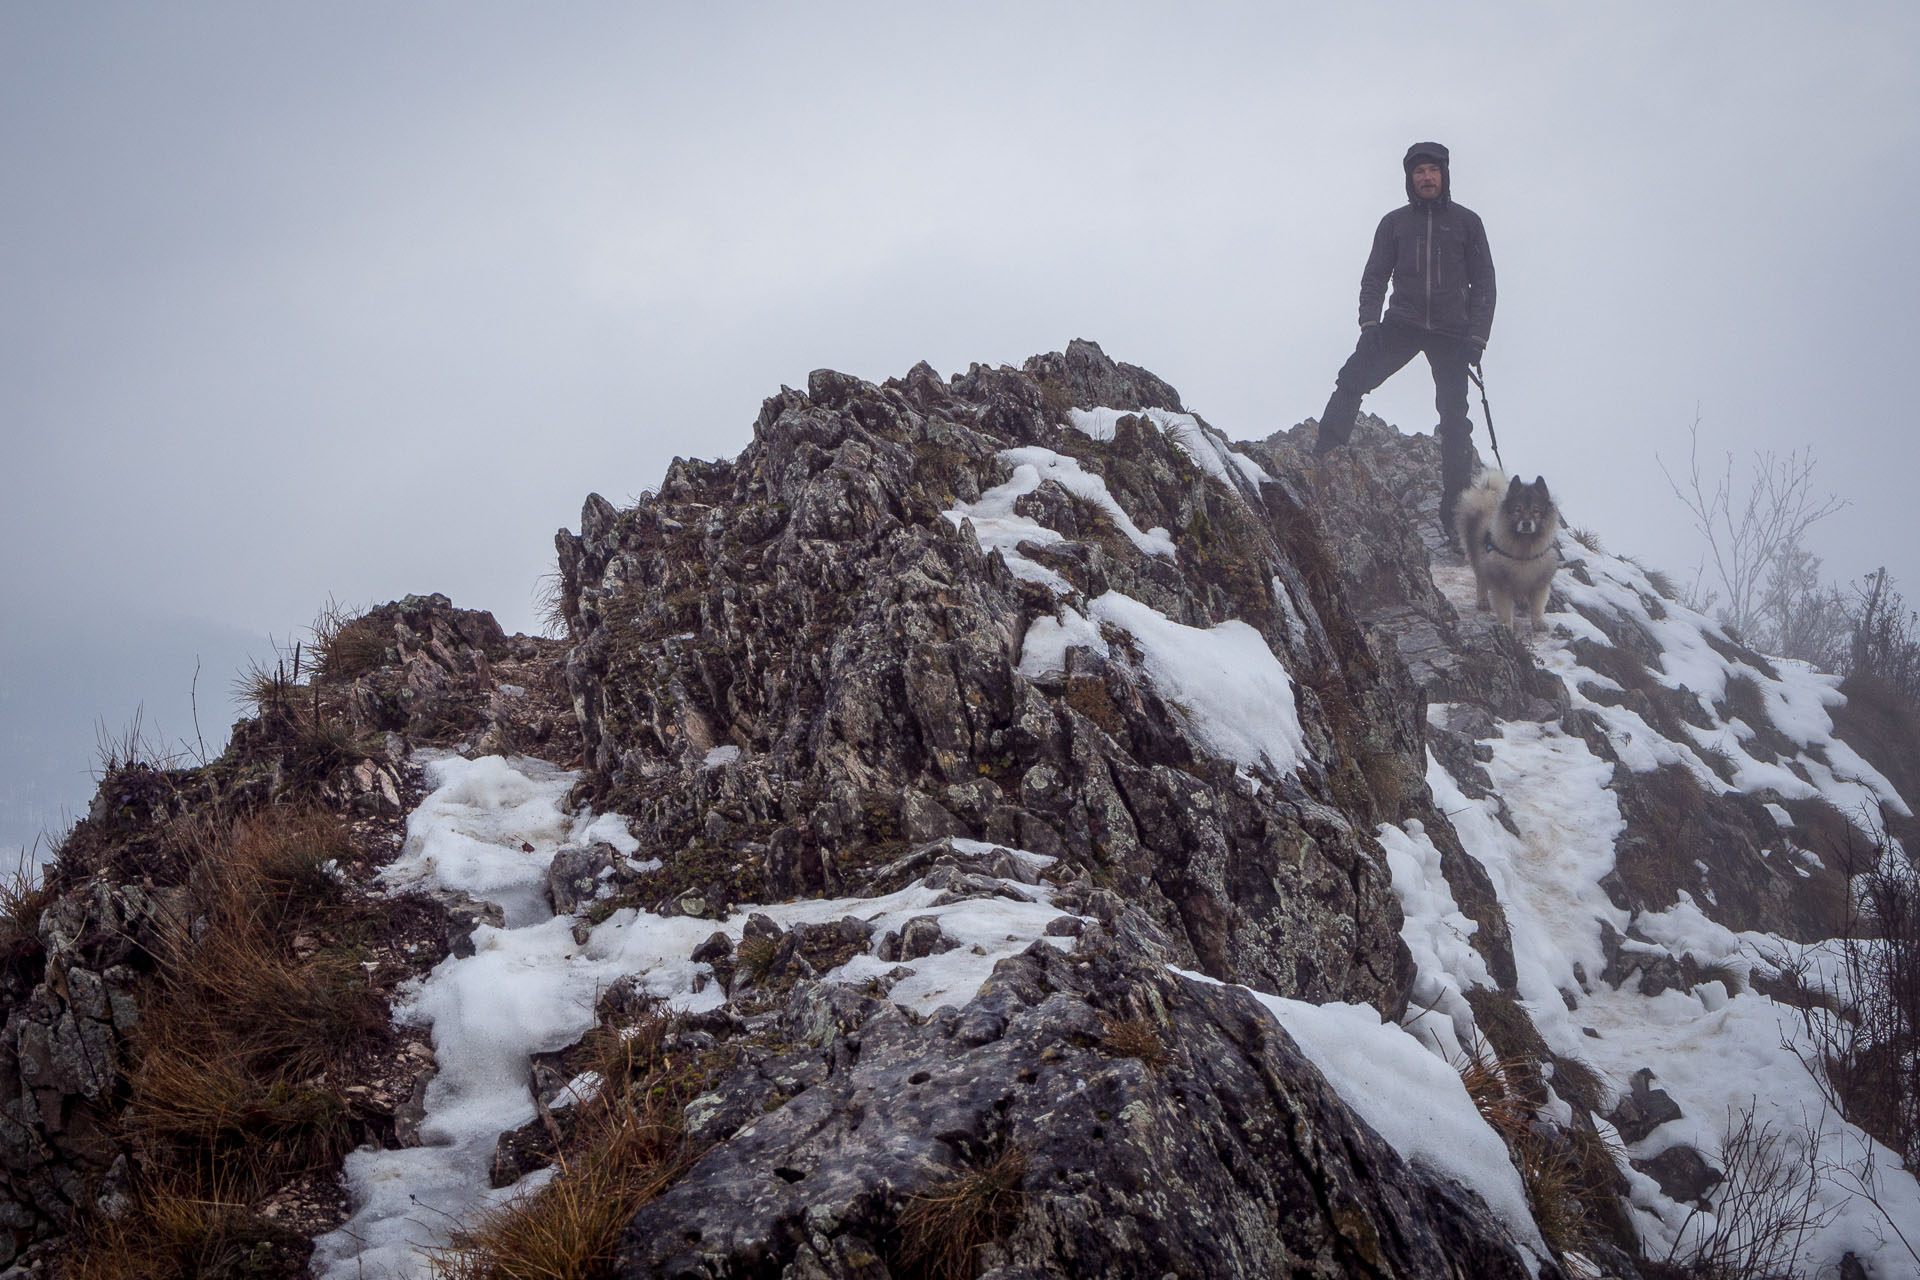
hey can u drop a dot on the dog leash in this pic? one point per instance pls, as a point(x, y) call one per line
point(1473, 371)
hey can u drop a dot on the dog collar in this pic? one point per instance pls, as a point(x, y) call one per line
point(1509, 555)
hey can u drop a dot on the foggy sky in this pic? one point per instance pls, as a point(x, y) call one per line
point(355, 300)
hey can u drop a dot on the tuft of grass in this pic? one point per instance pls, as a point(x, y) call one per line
point(293, 723)
point(132, 746)
point(1562, 1171)
point(182, 1228)
point(1136, 1037)
point(1580, 1084)
point(228, 1065)
point(1089, 696)
point(346, 645)
point(753, 958)
point(1663, 584)
point(1588, 539)
point(624, 1147)
point(942, 1227)
point(24, 895)
point(268, 689)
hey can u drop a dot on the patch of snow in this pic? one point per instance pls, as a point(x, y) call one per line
point(997, 525)
point(1044, 651)
point(1409, 1097)
point(1237, 696)
point(1025, 857)
point(530, 987)
point(1439, 936)
point(1208, 449)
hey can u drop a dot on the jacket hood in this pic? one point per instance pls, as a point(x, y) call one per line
point(1438, 154)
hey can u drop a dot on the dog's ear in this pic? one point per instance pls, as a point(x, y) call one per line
point(1517, 485)
point(1540, 483)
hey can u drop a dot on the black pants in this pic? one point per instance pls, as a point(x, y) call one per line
point(1383, 350)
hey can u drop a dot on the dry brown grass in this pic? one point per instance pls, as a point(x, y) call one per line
point(24, 895)
point(1133, 1038)
point(1562, 1170)
point(753, 958)
point(942, 1227)
point(228, 1064)
point(622, 1148)
point(347, 645)
point(185, 1228)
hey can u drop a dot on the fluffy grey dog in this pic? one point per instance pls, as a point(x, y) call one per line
point(1508, 530)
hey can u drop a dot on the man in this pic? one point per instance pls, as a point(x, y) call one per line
point(1435, 252)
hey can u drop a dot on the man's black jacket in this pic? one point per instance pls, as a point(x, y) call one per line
point(1436, 254)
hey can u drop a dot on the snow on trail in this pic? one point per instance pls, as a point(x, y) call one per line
point(1717, 1056)
point(490, 828)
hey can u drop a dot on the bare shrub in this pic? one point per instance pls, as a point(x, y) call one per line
point(1877, 1070)
point(1756, 567)
point(1861, 1045)
point(1885, 642)
point(1764, 1208)
point(550, 605)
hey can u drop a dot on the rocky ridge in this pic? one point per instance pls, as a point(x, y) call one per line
point(807, 672)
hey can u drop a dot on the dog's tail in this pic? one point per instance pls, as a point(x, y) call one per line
point(1490, 479)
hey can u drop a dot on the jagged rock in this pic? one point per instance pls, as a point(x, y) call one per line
point(518, 1152)
point(1378, 509)
point(464, 914)
point(1724, 868)
point(1234, 1158)
point(449, 675)
point(1683, 1173)
point(798, 674)
point(579, 874)
point(921, 936)
point(799, 639)
point(1643, 1109)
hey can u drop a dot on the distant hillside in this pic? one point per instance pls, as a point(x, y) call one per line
point(60, 695)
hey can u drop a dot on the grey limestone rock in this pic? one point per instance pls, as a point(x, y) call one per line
point(818, 608)
point(1230, 1157)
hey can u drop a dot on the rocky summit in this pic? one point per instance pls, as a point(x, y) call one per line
point(997, 825)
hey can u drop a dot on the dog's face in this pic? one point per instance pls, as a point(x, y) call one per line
point(1527, 509)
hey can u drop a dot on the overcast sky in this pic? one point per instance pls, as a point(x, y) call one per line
point(352, 300)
